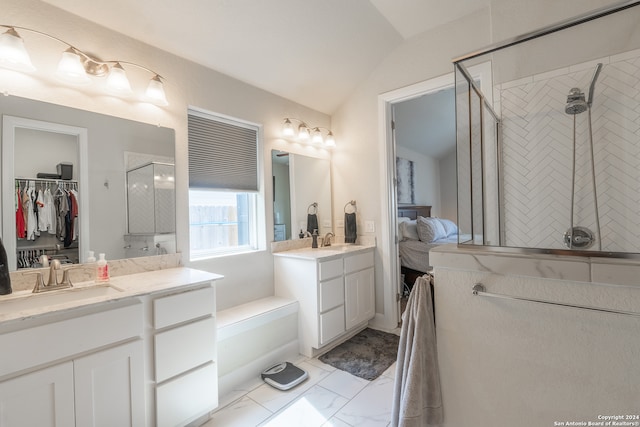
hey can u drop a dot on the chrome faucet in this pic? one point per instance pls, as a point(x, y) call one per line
point(326, 240)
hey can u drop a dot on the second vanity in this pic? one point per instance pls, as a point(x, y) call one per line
point(335, 287)
point(139, 352)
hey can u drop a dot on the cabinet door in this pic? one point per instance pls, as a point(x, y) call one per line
point(359, 297)
point(43, 398)
point(110, 387)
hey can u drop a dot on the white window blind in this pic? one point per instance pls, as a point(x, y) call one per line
point(223, 154)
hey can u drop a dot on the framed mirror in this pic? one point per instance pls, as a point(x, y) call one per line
point(299, 182)
point(39, 140)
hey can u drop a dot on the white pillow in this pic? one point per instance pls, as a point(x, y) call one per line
point(410, 230)
point(430, 229)
point(401, 220)
point(450, 227)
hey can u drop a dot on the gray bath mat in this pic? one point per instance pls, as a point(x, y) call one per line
point(366, 355)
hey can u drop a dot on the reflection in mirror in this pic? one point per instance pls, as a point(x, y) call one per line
point(299, 182)
point(97, 150)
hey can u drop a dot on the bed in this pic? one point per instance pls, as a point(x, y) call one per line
point(418, 233)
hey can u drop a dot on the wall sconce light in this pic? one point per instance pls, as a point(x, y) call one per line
point(76, 66)
point(306, 133)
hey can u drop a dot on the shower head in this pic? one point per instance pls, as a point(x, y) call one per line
point(576, 103)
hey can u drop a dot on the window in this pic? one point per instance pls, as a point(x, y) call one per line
point(223, 185)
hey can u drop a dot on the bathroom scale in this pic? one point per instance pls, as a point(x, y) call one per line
point(284, 376)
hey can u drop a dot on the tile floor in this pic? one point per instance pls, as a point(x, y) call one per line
point(329, 398)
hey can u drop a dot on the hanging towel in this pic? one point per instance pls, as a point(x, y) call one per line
point(350, 231)
point(312, 223)
point(417, 400)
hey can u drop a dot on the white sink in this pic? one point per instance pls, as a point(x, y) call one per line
point(29, 301)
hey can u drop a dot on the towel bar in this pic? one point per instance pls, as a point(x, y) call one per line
point(479, 289)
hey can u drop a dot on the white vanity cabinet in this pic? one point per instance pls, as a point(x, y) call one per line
point(335, 291)
point(74, 371)
point(359, 292)
point(186, 380)
point(144, 356)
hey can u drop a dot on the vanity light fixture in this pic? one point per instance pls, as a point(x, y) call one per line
point(306, 133)
point(76, 66)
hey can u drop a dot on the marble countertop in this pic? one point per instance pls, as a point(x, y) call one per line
point(25, 304)
point(613, 271)
point(327, 252)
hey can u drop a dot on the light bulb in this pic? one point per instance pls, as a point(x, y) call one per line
point(13, 54)
point(330, 141)
point(303, 132)
point(71, 70)
point(317, 136)
point(117, 81)
point(155, 92)
point(287, 128)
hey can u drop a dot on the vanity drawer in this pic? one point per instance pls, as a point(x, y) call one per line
point(182, 399)
point(331, 324)
point(185, 347)
point(358, 262)
point(62, 339)
point(182, 307)
point(331, 293)
point(330, 269)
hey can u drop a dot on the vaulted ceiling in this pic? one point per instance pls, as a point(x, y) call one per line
point(314, 52)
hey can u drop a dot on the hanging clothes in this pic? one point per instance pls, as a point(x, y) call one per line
point(32, 221)
point(50, 209)
point(21, 225)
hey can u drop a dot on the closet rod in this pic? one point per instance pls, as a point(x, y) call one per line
point(72, 181)
point(479, 289)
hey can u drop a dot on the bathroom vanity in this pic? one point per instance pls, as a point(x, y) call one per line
point(140, 351)
point(335, 287)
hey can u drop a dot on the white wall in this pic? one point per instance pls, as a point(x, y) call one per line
point(186, 84)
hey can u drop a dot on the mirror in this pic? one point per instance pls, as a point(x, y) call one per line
point(298, 182)
point(92, 152)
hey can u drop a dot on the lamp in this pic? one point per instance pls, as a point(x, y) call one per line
point(117, 81)
point(77, 67)
point(155, 92)
point(13, 54)
point(306, 133)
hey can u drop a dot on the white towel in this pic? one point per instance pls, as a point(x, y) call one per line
point(417, 400)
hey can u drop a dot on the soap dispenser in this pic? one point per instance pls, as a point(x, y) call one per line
point(5, 279)
point(102, 269)
point(314, 243)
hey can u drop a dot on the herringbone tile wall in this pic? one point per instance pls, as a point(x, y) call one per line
point(537, 155)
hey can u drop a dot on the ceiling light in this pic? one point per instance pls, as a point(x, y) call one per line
point(76, 66)
point(13, 54)
point(287, 128)
point(155, 92)
point(71, 70)
point(303, 132)
point(306, 133)
point(117, 81)
point(317, 136)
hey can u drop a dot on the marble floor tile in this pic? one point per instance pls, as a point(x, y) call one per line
point(319, 364)
point(371, 407)
point(312, 409)
point(242, 413)
point(343, 383)
point(335, 422)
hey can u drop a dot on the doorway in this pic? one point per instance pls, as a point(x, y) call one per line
point(389, 235)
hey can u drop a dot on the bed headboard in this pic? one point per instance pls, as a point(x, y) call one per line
point(414, 211)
